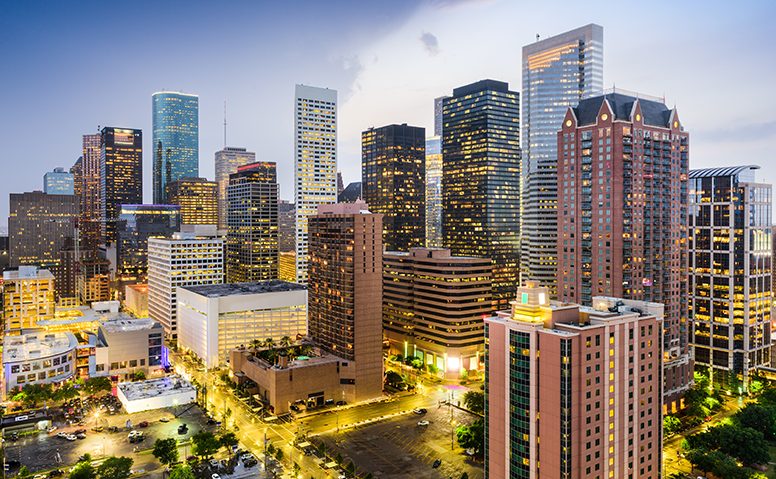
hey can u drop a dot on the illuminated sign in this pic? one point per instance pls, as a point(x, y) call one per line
point(123, 136)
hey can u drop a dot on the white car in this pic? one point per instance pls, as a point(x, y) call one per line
point(51, 429)
point(62, 434)
point(215, 476)
point(423, 423)
point(71, 437)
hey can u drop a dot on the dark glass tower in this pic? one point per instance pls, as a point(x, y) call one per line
point(136, 224)
point(393, 182)
point(175, 139)
point(121, 175)
point(480, 179)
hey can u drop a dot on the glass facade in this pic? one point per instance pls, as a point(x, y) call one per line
point(59, 182)
point(393, 177)
point(480, 197)
point(275, 323)
point(557, 72)
point(175, 139)
point(520, 404)
point(227, 162)
point(120, 177)
point(434, 192)
point(89, 231)
point(198, 199)
point(136, 224)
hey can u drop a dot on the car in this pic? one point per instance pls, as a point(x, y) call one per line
point(13, 463)
point(143, 424)
point(62, 434)
point(436, 464)
point(215, 476)
point(80, 431)
point(294, 407)
point(165, 419)
point(51, 429)
point(39, 476)
point(71, 437)
point(14, 436)
point(80, 435)
point(470, 452)
point(214, 463)
point(341, 403)
point(423, 423)
point(182, 429)
point(420, 411)
point(56, 472)
point(97, 429)
point(113, 429)
point(211, 422)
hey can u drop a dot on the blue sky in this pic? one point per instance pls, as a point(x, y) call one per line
point(67, 67)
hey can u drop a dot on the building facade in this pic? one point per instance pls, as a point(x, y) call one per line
point(38, 358)
point(59, 182)
point(89, 230)
point(393, 182)
point(286, 227)
point(38, 226)
point(121, 176)
point(730, 270)
point(622, 215)
point(438, 116)
point(77, 171)
point(557, 73)
point(92, 280)
point(127, 345)
point(138, 223)
point(175, 140)
point(586, 381)
point(434, 192)
point(198, 199)
point(28, 297)
point(186, 259)
point(480, 198)
point(434, 305)
point(351, 193)
point(345, 288)
point(227, 162)
point(315, 161)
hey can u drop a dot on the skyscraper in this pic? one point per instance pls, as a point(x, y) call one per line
point(77, 171)
point(89, 231)
point(557, 72)
point(622, 215)
point(175, 139)
point(345, 294)
point(438, 104)
point(393, 177)
point(136, 224)
point(434, 192)
point(59, 182)
point(315, 161)
point(730, 270)
point(121, 175)
point(480, 197)
point(198, 199)
point(252, 224)
point(38, 227)
point(227, 162)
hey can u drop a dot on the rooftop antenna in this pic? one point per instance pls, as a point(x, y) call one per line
point(224, 123)
point(537, 37)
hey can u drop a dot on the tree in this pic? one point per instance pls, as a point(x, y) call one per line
point(181, 471)
point(351, 468)
point(166, 450)
point(465, 475)
point(760, 418)
point(83, 470)
point(464, 375)
point(115, 468)
point(24, 472)
point(269, 343)
point(271, 450)
point(670, 424)
point(292, 353)
point(286, 341)
point(322, 448)
point(338, 459)
point(369, 476)
point(204, 444)
point(67, 391)
point(745, 444)
point(140, 376)
point(86, 458)
point(474, 401)
point(279, 454)
point(392, 377)
point(296, 469)
point(95, 385)
point(472, 437)
point(305, 350)
point(256, 344)
point(228, 440)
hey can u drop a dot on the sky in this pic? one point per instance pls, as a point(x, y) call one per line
point(67, 67)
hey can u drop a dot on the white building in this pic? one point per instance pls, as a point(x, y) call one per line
point(215, 319)
point(37, 358)
point(227, 162)
point(315, 161)
point(186, 259)
point(156, 393)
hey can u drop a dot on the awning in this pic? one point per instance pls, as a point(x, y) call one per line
point(304, 444)
point(330, 465)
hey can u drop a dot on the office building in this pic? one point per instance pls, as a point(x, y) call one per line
point(286, 226)
point(434, 305)
point(438, 116)
point(730, 268)
point(59, 182)
point(136, 297)
point(585, 380)
point(345, 294)
point(622, 218)
point(37, 358)
point(393, 182)
point(315, 161)
point(227, 162)
point(126, 345)
point(175, 140)
point(215, 319)
point(89, 229)
point(28, 298)
point(138, 223)
point(340, 183)
point(557, 73)
point(77, 171)
point(351, 193)
point(480, 197)
point(252, 224)
point(434, 192)
point(67, 271)
point(38, 226)
point(5, 256)
point(198, 199)
point(93, 280)
point(287, 266)
point(121, 176)
point(186, 259)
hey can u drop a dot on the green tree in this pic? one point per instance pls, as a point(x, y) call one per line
point(83, 470)
point(204, 444)
point(279, 454)
point(464, 375)
point(269, 343)
point(67, 391)
point(305, 350)
point(166, 450)
point(296, 469)
point(228, 440)
point(24, 472)
point(745, 444)
point(115, 468)
point(369, 475)
point(474, 401)
point(86, 458)
point(140, 376)
point(271, 450)
point(322, 448)
point(181, 471)
point(465, 475)
point(472, 437)
point(670, 424)
point(338, 459)
point(767, 397)
point(95, 385)
point(760, 418)
point(351, 468)
point(256, 344)
point(286, 341)
point(392, 377)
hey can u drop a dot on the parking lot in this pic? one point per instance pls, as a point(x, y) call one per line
point(400, 448)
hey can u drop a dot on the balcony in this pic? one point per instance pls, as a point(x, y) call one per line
point(586, 159)
point(627, 150)
point(666, 153)
point(627, 140)
point(683, 142)
point(586, 206)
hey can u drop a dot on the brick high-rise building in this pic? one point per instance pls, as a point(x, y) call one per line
point(345, 294)
point(584, 380)
point(198, 199)
point(622, 215)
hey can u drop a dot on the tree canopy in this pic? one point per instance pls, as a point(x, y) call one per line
point(166, 450)
point(475, 401)
point(181, 471)
point(83, 470)
point(97, 384)
point(392, 377)
point(742, 443)
point(205, 444)
point(115, 468)
point(472, 437)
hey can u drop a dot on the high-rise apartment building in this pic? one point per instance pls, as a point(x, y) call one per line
point(227, 162)
point(345, 294)
point(89, 231)
point(557, 73)
point(252, 224)
point(59, 182)
point(138, 223)
point(434, 305)
point(393, 178)
point(434, 192)
point(186, 259)
point(38, 226)
point(121, 176)
point(622, 215)
point(438, 117)
point(480, 197)
point(573, 391)
point(198, 199)
point(315, 161)
point(175, 139)
point(730, 270)
point(28, 298)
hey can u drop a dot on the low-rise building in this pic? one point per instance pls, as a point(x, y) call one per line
point(38, 357)
point(156, 393)
point(125, 345)
point(28, 298)
point(136, 301)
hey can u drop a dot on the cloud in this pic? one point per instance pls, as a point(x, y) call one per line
point(738, 133)
point(430, 43)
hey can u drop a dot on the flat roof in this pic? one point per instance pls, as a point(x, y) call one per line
point(156, 387)
point(25, 275)
point(127, 323)
point(37, 345)
point(113, 322)
point(235, 289)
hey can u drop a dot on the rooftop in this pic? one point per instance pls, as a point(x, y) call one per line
point(118, 324)
point(219, 290)
point(156, 387)
point(655, 113)
point(37, 345)
point(27, 272)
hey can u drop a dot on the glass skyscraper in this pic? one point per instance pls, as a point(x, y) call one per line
point(557, 73)
point(59, 182)
point(120, 177)
point(136, 224)
point(175, 139)
point(434, 192)
point(227, 162)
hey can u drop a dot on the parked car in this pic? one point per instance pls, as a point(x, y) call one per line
point(423, 423)
point(437, 463)
point(80, 435)
point(14, 436)
point(97, 429)
point(143, 424)
point(51, 429)
point(215, 476)
point(341, 403)
point(56, 473)
point(420, 411)
point(165, 419)
point(211, 422)
point(62, 434)
point(214, 463)
point(182, 429)
point(294, 407)
point(71, 437)
point(79, 431)
point(113, 429)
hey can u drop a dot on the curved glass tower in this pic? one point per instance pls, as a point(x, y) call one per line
point(175, 140)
